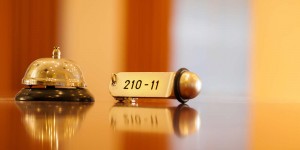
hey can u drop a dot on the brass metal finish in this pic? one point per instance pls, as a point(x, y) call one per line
point(54, 71)
point(182, 85)
point(54, 79)
point(124, 87)
point(56, 53)
point(190, 85)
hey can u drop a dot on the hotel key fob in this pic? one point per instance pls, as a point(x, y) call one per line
point(181, 85)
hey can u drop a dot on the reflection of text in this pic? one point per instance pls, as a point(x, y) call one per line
point(136, 120)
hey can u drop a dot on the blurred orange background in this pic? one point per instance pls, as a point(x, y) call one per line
point(275, 75)
point(243, 49)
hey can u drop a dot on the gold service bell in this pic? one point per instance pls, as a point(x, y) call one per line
point(54, 79)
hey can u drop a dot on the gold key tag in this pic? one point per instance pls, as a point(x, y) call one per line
point(182, 85)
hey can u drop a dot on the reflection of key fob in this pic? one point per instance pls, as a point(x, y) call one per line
point(181, 120)
point(182, 85)
point(54, 79)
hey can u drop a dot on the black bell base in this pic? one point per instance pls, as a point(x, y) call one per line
point(54, 94)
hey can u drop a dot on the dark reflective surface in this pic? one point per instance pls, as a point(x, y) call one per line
point(181, 120)
point(52, 122)
point(106, 124)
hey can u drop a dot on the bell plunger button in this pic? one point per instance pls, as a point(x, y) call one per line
point(56, 53)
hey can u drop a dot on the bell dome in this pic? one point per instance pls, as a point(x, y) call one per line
point(54, 71)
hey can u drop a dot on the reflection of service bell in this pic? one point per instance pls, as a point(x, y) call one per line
point(181, 120)
point(53, 79)
point(52, 122)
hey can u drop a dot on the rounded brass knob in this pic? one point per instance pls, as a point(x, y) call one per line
point(187, 85)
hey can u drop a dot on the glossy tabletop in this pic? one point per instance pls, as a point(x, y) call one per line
point(203, 123)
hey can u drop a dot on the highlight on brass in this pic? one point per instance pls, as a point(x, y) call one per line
point(52, 122)
point(182, 85)
point(53, 79)
point(181, 120)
